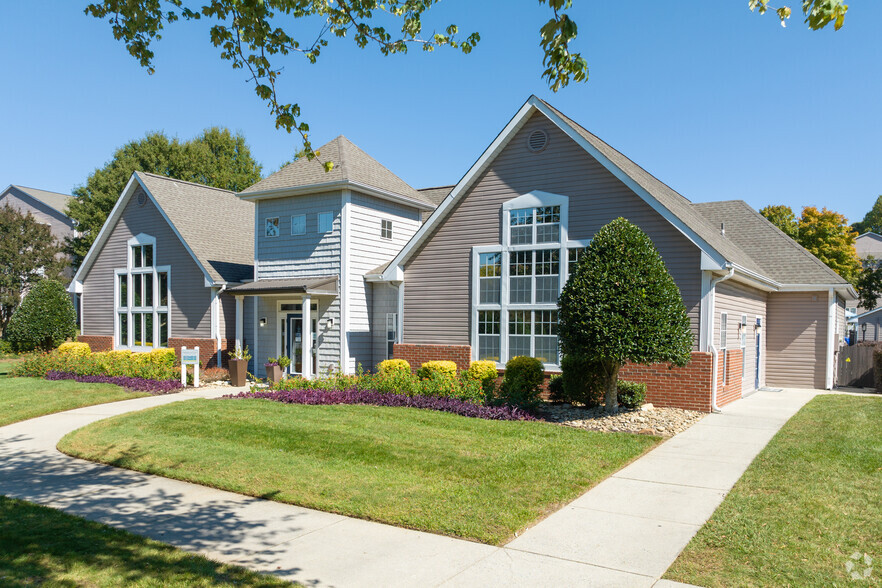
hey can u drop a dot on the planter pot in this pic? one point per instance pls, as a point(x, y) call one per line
point(238, 372)
point(273, 373)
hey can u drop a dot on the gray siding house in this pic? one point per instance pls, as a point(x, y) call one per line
point(47, 207)
point(157, 273)
point(317, 235)
point(480, 279)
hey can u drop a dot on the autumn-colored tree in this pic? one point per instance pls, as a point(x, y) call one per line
point(782, 217)
point(828, 237)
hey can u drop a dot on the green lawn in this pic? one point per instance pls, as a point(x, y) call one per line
point(427, 470)
point(809, 501)
point(27, 398)
point(6, 365)
point(41, 546)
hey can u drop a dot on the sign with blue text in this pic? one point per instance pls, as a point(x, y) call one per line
point(190, 357)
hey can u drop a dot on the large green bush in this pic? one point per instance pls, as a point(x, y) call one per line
point(580, 381)
point(621, 305)
point(521, 383)
point(45, 318)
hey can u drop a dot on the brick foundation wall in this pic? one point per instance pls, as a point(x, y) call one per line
point(687, 387)
point(207, 350)
point(97, 343)
point(730, 389)
point(416, 355)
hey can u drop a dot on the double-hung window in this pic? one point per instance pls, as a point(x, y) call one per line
point(516, 284)
point(141, 291)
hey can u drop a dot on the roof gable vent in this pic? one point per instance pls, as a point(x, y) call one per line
point(537, 141)
point(142, 198)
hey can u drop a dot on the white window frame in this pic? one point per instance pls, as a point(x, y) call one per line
point(385, 227)
point(155, 309)
point(330, 221)
point(391, 340)
point(535, 199)
point(299, 217)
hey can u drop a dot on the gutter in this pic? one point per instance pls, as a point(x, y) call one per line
point(713, 350)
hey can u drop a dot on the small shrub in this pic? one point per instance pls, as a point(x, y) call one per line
point(445, 368)
point(45, 318)
point(398, 382)
point(483, 370)
point(521, 383)
point(389, 366)
point(631, 394)
point(555, 388)
point(580, 382)
point(6, 347)
point(239, 353)
point(73, 348)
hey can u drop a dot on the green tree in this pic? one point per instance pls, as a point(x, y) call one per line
point(872, 220)
point(828, 237)
point(216, 158)
point(869, 283)
point(28, 251)
point(256, 34)
point(45, 319)
point(621, 305)
point(782, 217)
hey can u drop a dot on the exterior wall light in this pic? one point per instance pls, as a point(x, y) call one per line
point(263, 321)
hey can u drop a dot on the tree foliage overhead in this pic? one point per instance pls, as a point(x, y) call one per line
point(782, 217)
point(621, 305)
point(216, 158)
point(825, 233)
point(45, 318)
point(872, 220)
point(255, 35)
point(28, 251)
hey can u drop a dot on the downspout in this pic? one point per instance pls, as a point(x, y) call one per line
point(218, 333)
point(710, 336)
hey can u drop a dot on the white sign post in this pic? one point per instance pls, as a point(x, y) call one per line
point(190, 357)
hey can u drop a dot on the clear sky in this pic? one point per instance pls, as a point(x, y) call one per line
point(716, 101)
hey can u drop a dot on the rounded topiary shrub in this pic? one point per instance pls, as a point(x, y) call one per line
point(483, 370)
point(75, 349)
point(442, 368)
point(631, 394)
point(522, 383)
point(45, 318)
point(393, 366)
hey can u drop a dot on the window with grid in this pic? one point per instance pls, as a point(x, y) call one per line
point(529, 226)
point(490, 278)
point(385, 229)
point(533, 333)
point(142, 298)
point(489, 343)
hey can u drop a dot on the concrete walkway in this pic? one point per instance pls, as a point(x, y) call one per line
point(624, 532)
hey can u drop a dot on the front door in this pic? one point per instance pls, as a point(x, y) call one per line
point(294, 343)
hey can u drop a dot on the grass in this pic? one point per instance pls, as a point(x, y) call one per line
point(808, 502)
point(41, 546)
point(6, 365)
point(471, 478)
point(27, 398)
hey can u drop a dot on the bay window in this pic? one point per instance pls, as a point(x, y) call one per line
point(142, 298)
point(516, 284)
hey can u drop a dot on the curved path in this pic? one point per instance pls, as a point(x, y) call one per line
point(624, 532)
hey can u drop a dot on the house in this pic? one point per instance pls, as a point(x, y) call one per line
point(317, 235)
point(47, 207)
point(158, 271)
point(480, 279)
point(868, 245)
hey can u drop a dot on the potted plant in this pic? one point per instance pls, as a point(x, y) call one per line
point(275, 367)
point(239, 365)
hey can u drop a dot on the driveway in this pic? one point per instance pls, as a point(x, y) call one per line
point(624, 532)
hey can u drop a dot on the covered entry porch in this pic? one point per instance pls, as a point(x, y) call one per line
point(297, 318)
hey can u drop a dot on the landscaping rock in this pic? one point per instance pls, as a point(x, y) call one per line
point(647, 420)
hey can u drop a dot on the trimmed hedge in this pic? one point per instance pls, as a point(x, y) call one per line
point(390, 366)
point(158, 364)
point(521, 384)
point(74, 348)
point(483, 370)
point(443, 368)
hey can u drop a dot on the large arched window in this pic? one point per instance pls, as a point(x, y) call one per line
point(141, 294)
point(516, 284)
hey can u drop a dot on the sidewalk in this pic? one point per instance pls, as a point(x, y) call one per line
point(624, 532)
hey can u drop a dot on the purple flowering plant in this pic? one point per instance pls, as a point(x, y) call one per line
point(155, 387)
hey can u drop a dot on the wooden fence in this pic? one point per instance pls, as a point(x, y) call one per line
point(856, 366)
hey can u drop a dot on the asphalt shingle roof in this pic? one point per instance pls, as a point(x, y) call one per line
point(350, 163)
point(782, 259)
point(216, 224)
point(54, 200)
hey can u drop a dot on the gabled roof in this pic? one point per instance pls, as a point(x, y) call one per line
point(719, 249)
point(780, 257)
point(436, 195)
point(352, 166)
point(215, 226)
point(54, 200)
point(320, 285)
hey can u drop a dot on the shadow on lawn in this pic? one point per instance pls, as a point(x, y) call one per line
point(124, 499)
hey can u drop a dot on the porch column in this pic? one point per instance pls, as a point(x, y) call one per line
point(306, 348)
point(240, 319)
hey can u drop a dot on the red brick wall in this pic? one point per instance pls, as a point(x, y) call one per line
point(730, 389)
point(416, 355)
point(687, 387)
point(97, 343)
point(207, 350)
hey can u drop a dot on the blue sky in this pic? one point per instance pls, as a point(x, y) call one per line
point(716, 101)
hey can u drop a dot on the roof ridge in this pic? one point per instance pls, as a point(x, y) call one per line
point(20, 187)
point(170, 179)
point(436, 187)
point(341, 150)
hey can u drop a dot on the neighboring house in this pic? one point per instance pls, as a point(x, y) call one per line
point(480, 279)
point(868, 326)
point(157, 272)
point(867, 245)
point(317, 235)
